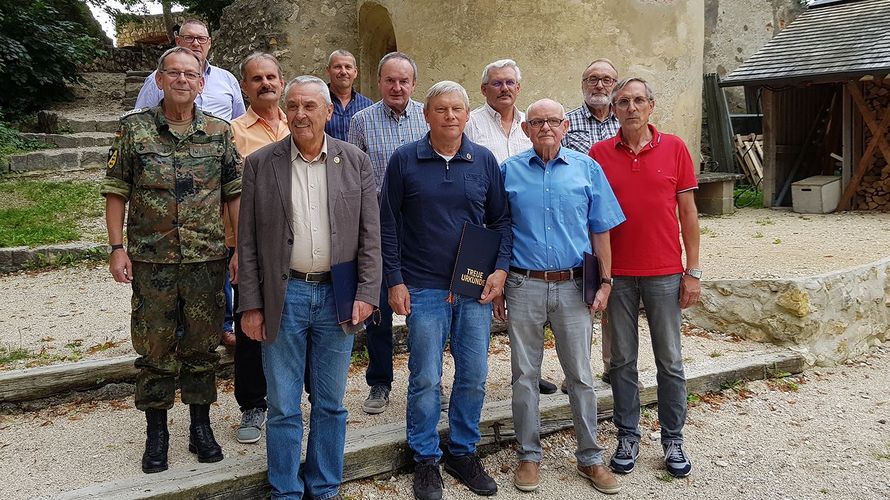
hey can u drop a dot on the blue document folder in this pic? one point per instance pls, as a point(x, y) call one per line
point(477, 254)
point(344, 280)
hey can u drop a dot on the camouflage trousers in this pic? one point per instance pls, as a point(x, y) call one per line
point(165, 295)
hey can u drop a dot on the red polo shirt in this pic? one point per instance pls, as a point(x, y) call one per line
point(646, 185)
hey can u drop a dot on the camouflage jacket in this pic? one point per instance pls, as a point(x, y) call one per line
point(175, 185)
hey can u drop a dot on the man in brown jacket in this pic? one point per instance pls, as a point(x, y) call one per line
point(309, 202)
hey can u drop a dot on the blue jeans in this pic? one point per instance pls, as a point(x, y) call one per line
point(309, 316)
point(661, 299)
point(430, 325)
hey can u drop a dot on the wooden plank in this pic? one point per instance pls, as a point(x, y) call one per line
point(382, 449)
point(758, 167)
point(770, 128)
point(877, 141)
point(740, 153)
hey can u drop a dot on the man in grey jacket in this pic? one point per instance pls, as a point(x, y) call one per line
point(309, 202)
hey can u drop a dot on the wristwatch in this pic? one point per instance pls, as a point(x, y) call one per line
point(607, 281)
point(693, 272)
point(112, 248)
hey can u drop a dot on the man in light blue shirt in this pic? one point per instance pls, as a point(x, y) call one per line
point(222, 92)
point(558, 198)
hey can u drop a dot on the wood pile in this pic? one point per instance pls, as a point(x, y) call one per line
point(749, 156)
point(873, 192)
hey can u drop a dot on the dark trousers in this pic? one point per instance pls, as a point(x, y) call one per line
point(378, 338)
point(250, 382)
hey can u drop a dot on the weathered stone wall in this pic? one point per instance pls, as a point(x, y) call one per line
point(659, 40)
point(830, 317)
point(300, 33)
point(146, 29)
point(736, 29)
point(123, 59)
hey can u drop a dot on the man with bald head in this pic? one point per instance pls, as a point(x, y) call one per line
point(558, 197)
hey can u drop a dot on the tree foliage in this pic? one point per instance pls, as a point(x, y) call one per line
point(40, 51)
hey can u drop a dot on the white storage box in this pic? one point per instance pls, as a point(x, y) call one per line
point(816, 195)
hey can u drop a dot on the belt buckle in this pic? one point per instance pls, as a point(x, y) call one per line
point(547, 275)
point(309, 275)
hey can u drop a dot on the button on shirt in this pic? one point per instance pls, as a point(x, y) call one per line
point(484, 128)
point(338, 127)
point(311, 224)
point(221, 96)
point(585, 130)
point(552, 206)
point(379, 131)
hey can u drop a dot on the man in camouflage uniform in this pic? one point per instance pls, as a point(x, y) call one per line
point(176, 165)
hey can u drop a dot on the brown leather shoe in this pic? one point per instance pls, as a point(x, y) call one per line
point(526, 477)
point(601, 477)
point(227, 339)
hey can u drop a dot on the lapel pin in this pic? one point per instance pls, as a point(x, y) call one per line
point(469, 156)
point(336, 159)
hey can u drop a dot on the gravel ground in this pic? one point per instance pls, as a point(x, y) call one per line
point(79, 313)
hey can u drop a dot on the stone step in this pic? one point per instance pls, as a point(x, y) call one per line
point(78, 140)
point(138, 74)
point(139, 80)
point(59, 159)
point(52, 122)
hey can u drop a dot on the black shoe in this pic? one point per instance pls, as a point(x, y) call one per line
point(605, 378)
point(427, 481)
point(468, 470)
point(201, 440)
point(157, 439)
point(546, 387)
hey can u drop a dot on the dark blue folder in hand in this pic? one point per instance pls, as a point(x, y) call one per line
point(344, 280)
point(591, 282)
point(477, 254)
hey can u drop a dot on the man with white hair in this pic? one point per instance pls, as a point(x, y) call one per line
point(432, 187)
point(310, 203)
point(496, 124)
point(593, 120)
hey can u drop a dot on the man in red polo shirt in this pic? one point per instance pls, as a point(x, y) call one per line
point(653, 178)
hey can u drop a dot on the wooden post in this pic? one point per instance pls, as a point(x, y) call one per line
point(877, 141)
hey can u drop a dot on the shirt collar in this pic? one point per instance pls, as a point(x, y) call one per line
point(533, 156)
point(425, 149)
point(391, 112)
point(197, 117)
point(585, 109)
point(251, 117)
point(296, 153)
point(496, 116)
point(656, 138)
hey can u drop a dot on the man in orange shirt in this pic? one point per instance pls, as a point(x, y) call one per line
point(263, 123)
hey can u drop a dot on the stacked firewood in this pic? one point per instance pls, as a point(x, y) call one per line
point(874, 190)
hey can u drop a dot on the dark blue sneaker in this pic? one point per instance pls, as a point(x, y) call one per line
point(625, 457)
point(675, 459)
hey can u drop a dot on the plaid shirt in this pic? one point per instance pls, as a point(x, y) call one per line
point(585, 130)
point(376, 131)
point(338, 127)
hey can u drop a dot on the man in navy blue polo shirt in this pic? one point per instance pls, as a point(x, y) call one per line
point(431, 188)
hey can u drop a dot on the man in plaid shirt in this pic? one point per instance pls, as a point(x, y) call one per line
point(593, 121)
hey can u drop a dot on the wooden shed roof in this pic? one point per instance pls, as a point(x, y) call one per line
point(829, 42)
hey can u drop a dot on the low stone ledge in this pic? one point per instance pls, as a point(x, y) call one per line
point(829, 317)
point(18, 258)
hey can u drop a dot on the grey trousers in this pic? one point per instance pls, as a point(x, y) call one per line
point(661, 298)
point(532, 303)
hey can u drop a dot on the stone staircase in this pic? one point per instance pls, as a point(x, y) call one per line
point(132, 85)
point(80, 142)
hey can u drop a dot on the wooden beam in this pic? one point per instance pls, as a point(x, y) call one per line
point(770, 129)
point(382, 449)
point(877, 141)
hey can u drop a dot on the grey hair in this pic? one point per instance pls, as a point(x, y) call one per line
point(310, 80)
point(341, 53)
point(602, 60)
point(446, 87)
point(179, 50)
point(650, 92)
point(396, 55)
point(539, 101)
point(242, 68)
point(196, 22)
point(502, 63)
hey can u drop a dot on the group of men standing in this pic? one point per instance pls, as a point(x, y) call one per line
point(335, 179)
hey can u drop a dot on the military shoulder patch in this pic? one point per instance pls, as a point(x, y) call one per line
point(112, 158)
point(134, 111)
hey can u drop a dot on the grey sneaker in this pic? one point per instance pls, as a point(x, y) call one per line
point(625, 457)
point(377, 400)
point(676, 460)
point(251, 427)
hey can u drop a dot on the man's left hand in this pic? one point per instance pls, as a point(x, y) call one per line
point(494, 286)
point(360, 311)
point(233, 268)
point(690, 291)
point(601, 300)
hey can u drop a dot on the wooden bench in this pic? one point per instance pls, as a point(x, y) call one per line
point(715, 192)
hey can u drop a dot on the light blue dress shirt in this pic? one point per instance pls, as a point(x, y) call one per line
point(553, 205)
point(221, 96)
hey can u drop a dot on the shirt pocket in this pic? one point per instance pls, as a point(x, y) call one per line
point(205, 163)
point(475, 187)
point(572, 208)
point(155, 166)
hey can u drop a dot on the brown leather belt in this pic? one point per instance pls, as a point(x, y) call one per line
point(552, 276)
point(311, 277)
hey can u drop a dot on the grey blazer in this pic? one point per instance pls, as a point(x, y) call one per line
point(265, 235)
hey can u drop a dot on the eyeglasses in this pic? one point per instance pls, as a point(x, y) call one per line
point(174, 75)
point(190, 39)
point(638, 101)
point(499, 84)
point(539, 122)
point(607, 81)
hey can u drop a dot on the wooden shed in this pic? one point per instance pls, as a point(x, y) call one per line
point(824, 92)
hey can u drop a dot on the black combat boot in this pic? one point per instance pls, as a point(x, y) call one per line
point(201, 440)
point(156, 442)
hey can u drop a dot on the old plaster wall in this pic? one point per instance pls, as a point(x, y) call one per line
point(659, 40)
point(830, 317)
point(736, 29)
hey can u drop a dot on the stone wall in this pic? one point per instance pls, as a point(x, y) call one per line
point(144, 29)
point(830, 318)
point(123, 59)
